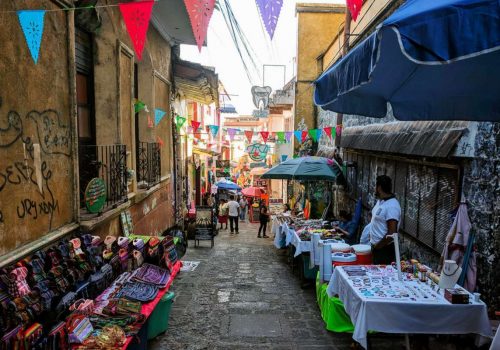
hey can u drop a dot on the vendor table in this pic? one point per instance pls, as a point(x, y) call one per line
point(148, 308)
point(377, 301)
point(291, 238)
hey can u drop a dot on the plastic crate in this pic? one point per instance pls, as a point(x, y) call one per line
point(309, 274)
point(158, 321)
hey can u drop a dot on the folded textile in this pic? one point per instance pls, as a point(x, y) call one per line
point(152, 274)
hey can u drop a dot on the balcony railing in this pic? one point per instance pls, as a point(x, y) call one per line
point(148, 164)
point(108, 163)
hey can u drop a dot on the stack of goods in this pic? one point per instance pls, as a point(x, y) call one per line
point(305, 234)
point(82, 291)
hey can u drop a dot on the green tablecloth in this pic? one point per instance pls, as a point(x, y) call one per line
point(332, 310)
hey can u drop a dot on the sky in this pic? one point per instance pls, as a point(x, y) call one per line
point(221, 53)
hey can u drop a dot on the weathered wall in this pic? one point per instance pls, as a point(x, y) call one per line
point(482, 190)
point(36, 129)
point(115, 117)
point(317, 26)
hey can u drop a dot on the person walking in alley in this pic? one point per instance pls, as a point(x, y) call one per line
point(223, 208)
point(264, 219)
point(234, 214)
point(386, 216)
point(243, 208)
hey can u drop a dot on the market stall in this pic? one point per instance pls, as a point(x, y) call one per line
point(86, 293)
point(376, 300)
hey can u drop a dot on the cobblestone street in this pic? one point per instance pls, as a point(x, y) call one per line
point(243, 295)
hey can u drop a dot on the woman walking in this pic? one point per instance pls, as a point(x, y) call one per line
point(223, 213)
point(263, 218)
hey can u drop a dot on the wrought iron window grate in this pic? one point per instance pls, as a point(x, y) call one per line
point(148, 164)
point(108, 163)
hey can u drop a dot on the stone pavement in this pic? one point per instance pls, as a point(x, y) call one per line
point(243, 295)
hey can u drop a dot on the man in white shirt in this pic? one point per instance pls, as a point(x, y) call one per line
point(234, 213)
point(386, 216)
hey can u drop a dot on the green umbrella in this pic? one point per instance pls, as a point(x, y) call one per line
point(306, 169)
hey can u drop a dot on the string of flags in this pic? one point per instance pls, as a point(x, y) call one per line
point(278, 136)
point(136, 16)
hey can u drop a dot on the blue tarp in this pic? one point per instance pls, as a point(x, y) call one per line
point(430, 60)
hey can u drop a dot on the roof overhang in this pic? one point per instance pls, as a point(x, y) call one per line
point(205, 152)
point(419, 138)
point(196, 82)
point(171, 19)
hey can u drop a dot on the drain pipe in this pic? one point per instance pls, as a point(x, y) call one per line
point(345, 49)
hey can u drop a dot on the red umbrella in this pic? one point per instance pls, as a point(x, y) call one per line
point(252, 191)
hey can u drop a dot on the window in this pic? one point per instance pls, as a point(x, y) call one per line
point(427, 192)
point(84, 87)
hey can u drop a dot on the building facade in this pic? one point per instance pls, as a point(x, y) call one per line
point(317, 26)
point(433, 166)
point(86, 111)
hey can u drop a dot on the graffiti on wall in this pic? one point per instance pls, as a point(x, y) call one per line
point(31, 145)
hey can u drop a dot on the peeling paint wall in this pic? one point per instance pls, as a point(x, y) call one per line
point(36, 129)
point(479, 149)
point(482, 190)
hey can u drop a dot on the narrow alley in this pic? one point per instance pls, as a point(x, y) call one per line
point(243, 295)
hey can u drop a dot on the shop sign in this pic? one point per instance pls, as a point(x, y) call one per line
point(222, 173)
point(257, 113)
point(95, 195)
point(257, 165)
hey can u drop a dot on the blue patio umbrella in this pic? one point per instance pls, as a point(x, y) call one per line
point(430, 60)
point(227, 185)
point(305, 169)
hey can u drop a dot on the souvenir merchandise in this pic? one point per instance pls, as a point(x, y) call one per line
point(380, 282)
point(151, 274)
point(143, 292)
point(84, 291)
point(456, 295)
point(450, 274)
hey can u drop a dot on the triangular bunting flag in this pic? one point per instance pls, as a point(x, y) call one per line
point(179, 122)
point(304, 135)
point(249, 135)
point(281, 136)
point(136, 16)
point(159, 115)
point(318, 134)
point(270, 12)
point(288, 136)
point(354, 7)
point(159, 140)
point(314, 134)
point(195, 125)
point(338, 130)
point(31, 22)
point(200, 12)
point(273, 135)
point(151, 124)
point(214, 129)
point(265, 135)
point(140, 106)
point(328, 131)
point(298, 135)
point(231, 133)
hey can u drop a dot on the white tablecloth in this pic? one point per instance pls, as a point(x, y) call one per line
point(282, 231)
point(406, 316)
point(300, 246)
point(279, 234)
